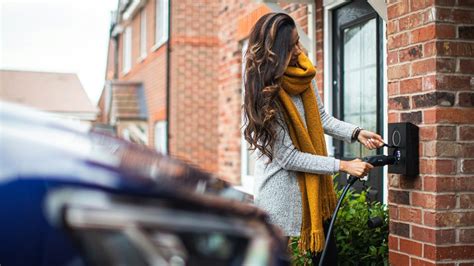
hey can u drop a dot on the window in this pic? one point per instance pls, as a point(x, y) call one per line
point(161, 137)
point(161, 22)
point(357, 73)
point(127, 50)
point(143, 33)
point(248, 157)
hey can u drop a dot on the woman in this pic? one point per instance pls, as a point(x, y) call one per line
point(285, 124)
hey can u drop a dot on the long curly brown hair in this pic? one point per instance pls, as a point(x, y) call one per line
point(268, 54)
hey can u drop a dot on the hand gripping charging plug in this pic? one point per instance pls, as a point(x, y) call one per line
point(377, 160)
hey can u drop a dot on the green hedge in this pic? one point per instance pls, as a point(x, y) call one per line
point(357, 244)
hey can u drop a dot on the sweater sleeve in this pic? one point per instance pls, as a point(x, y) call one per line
point(290, 158)
point(332, 126)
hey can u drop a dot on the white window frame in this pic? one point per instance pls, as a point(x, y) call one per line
point(143, 33)
point(161, 136)
point(246, 181)
point(127, 50)
point(161, 23)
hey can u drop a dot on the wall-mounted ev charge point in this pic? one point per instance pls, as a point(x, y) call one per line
point(403, 140)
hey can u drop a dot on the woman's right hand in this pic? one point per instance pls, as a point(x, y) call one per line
point(356, 167)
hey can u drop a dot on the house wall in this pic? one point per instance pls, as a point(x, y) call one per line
point(194, 82)
point(430, 82)
point(151, 70)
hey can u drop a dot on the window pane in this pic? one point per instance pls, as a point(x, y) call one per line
point(127, 50)
point(161, 138)
point(143, 33)
point(251, 158)
point(360, 81)
point(161, 21)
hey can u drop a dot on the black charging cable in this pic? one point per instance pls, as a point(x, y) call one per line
point(377, 160)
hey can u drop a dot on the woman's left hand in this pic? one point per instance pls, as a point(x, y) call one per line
point(370, 140)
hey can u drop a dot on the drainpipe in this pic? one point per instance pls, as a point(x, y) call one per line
point(168, 79)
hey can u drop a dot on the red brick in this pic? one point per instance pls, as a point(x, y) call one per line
point(467, 166)
point(397, 41)
point(420, 4)
point(453, 82)
point(433, 98)
point(392, 57)
point(446, 132)
point(439, 183)
point(429, 82)
point(411, 53)
point(445, 31)
point(463, 252)
point(398, 259)
point(411, 247)
point(392, 27)
point(448, 3)
point(449, 115)
point(427, 133)
point(467, 150)
point(393, 211)
point(398, 103)
point(441, 149)
point(398, 71)
point(411, 182)
point(466, 99)
point(408, 214)
point(399, 229)
point(393, 88)
point(448, 218)
point(465, 183)
point(393, 117)
point(429, 49)
point(467, 66)
point(429, 251)
point(410, 21)
point(420, 262)
point(410, 85)
point(463, 16)
point(466, 235)
point(430, 235)
point(393, 242)
point(424, 33)
point(398, 9)
point(433, 201)
point(423, 66)
point(446, 65)
point(466, 201)
point(466, 132)
point(449, 48)
point(437, 166)
point(399, 196)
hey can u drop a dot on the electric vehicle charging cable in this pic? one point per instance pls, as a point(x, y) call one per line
point(377, 160)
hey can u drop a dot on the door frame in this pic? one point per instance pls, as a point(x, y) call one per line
point(328, 8)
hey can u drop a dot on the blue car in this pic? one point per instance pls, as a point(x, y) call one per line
point(72, 196)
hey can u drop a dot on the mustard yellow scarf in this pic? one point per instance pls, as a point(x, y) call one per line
point(317, 192)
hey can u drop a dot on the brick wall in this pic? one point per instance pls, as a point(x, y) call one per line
point(194, 75)
point(430, 66)
point(151, 70)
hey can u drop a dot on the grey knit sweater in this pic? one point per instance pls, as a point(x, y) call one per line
point(276, 187)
